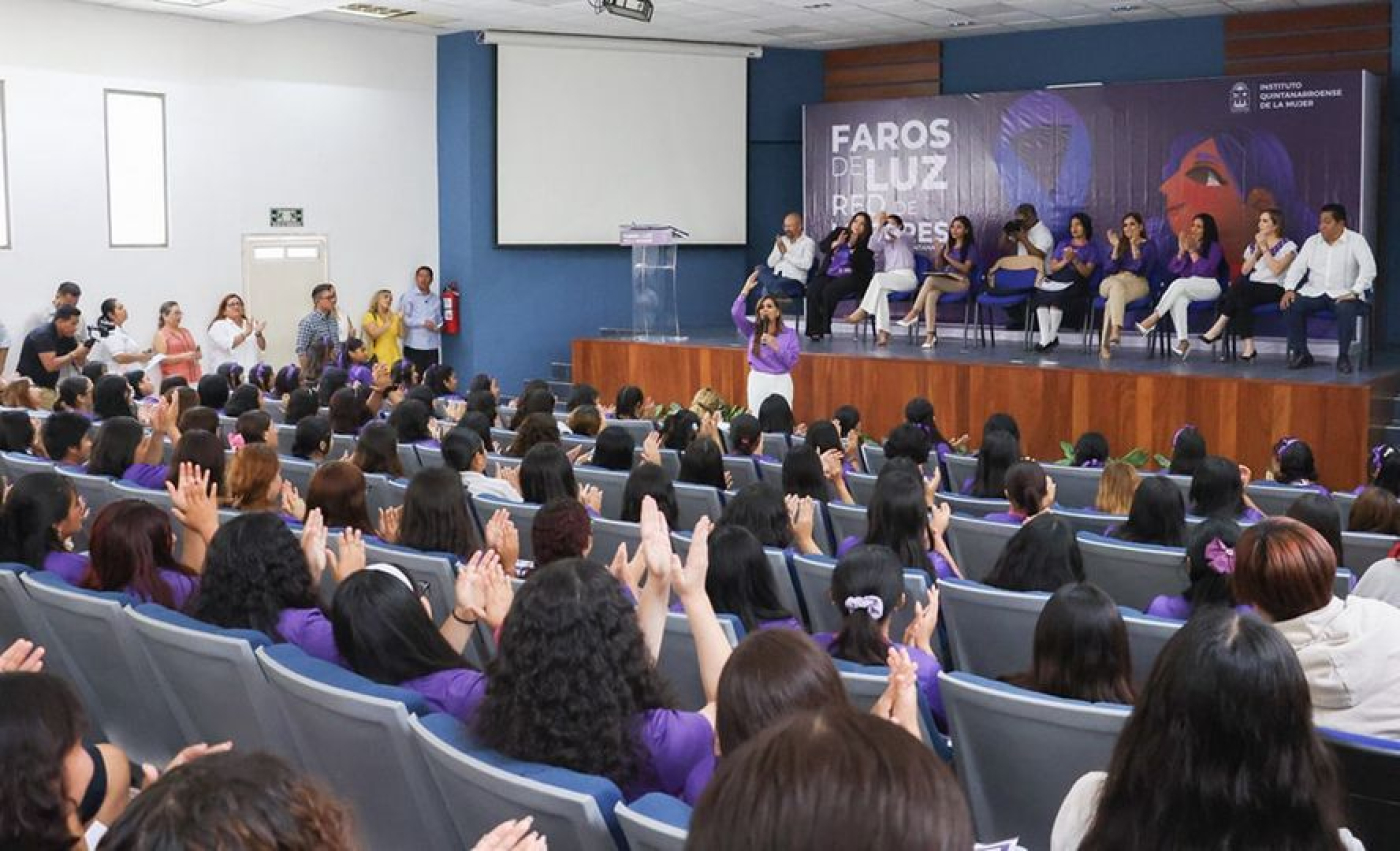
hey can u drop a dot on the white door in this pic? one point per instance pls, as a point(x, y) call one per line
point(278, 274)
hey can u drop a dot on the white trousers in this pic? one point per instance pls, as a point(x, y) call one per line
point(1178, 297)
point(765, 384)
point(876, 299)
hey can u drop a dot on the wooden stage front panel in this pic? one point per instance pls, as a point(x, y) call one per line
point(1241, 417)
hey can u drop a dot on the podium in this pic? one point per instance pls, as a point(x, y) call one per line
point(654, 314)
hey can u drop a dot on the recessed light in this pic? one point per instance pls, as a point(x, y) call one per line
point(369, 10)
point(1126, 7)
point(960, 24)
point(816, 6)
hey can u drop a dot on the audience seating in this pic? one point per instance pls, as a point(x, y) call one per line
point(814, 584)
point(864, 684)
point(1274, 499)
point(354, 734)
point(1133, 574)
point(608, 534)
point(611, 482)
point(670, 461)
point(274, 409)
point(742, 471)
point(977, 544)
point(861, 486)
point(1344, 501)
point(1075, 487)
point(428, 456)
point(101, 643)
point(960, 469)
point(990, 631)
point(572, 810)
point(522, 514)
point(776, 444)
point(639, 429)
point(771, 472)
point(408, 459)
point(1183, 484)
point(873, 455)
point(19, 618)
point(211, 674)
point(286, 439)
point(1360, 550)
point(694, 502)
point(299, 473)
point(1005, 735)
point(679, 662)
point(848, 521)
point(342, 447)
point(973, 506)
point(18, 466)
point(436, 569)
point(97, 491)
point(654, 822)
point(1091, 521)
point(1370, 769)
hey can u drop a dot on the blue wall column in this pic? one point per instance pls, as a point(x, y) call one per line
point(522, 307)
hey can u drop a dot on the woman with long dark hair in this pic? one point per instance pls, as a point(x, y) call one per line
point(999, 451)
point(1188, 450)
point(738, 581)
point(1217, 490)
point(377, 451)
point(953, 262)
point(1028, 492)
point(1199, 265)
point(337, 489)
point(772, 346)
point(111, 397)
point(1220, 753)
point(40, 515)
point(132, 551)
point(1157, 515)
point(1081, 648)
point(902, 520)
point(1294, 464)
point(1131, 259)
point(434, 516)
point(1069, 268)
point(1266, 261)
point(124, 451)
point(1042, 556)
point(846, 271)
point(1210, 562)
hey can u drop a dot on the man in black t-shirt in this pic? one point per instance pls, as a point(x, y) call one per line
point(49, 348)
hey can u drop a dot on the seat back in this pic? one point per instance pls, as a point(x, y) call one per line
point(654, 822)
point(1133, 574)
point(679, 661)
point(771, 472)
point(775, 444)
point(977, 544)
point(19, 618)
point(299, 473)
point(436, 569)
point(973, 506)
point(1019, 752)
point(354, 735)
point(814, 584)
point(1183, 484)
point(274, 409)
point(428, 456)
point(873, 455)
point(408, 459)
point(97, 491)
point(1075, 487)
point(383, 492)
point(1371, 774)
point(1344, 501)
point(862, 487)
point(18, 466)
point(607, 534)
point(742, 470)
point(991, 631)
point(639, 429)
point(960, 469)
point(522, 514)
point(611, 482)
point(1360, 550)
point(694, 502)
point(848, 521)
point(573, 810)
point(286, 438)
point(213, 676)
point(342, 446)
point(1273, 499)
point(100, 642)
point(1092, 522)
point(670, 461)
point(1146, 638)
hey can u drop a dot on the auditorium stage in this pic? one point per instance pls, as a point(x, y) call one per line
point(1136, 402)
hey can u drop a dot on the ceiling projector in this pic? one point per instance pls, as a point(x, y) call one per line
point(637, 10)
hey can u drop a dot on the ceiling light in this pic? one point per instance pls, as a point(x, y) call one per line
point(637, 10)
point(960, 24)
point(369, 10)
point(815, 6)
point(1126, 7)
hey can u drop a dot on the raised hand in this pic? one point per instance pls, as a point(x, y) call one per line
point(749, 283)
point(292, 503)
point(23, 657)
point(831, 464)
point(656, 540)
point(504, 539)
point(349, 555)
point(1113, 237)
point(513, 835)
point(919, 633)
point(390, 521)
point(592, 498)
point(510, 475)
point(690, 579)
point(192, 504)
point(651, 448)
point(939, 518)
point(900, 702)
point(151, 774)
point(313, 544)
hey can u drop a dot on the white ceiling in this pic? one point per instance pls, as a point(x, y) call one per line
point(819, 24)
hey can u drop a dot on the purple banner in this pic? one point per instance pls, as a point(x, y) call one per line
point(1231, 147)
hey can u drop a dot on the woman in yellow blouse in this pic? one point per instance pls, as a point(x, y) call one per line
point(383, 326)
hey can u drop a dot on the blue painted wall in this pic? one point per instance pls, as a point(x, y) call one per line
point(1115, 53)
point(521, 307)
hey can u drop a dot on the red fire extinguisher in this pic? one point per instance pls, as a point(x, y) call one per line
point(451, 307)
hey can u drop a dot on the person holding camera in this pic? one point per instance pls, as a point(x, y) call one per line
point(1027, 242)
point(848, 268)
point(895, 248)
point(772, 346)
point(52, 347)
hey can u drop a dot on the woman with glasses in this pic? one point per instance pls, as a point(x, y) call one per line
point(233, 336)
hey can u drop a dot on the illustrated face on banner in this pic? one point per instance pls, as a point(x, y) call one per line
point(1203, 183)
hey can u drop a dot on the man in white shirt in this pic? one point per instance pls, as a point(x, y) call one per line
point(422, 321)
point(1340, 269)
point(791, 259)
point(1028, 243)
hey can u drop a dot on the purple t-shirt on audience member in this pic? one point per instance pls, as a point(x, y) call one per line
point(70, 567)
point(928, 674)
point(1177, 608)
point(310, 630)
point(675, 744)
point(458, 691)
point(782, 623)
point(940, 565)
point(1012, 517)
point(150, 476)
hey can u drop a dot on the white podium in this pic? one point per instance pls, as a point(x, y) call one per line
point(654, 315)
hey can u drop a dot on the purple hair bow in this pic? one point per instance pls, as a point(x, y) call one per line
point(1220, 558)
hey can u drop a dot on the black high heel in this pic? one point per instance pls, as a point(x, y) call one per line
point(1250, 358)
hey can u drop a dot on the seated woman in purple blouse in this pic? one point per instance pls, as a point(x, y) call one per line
point(999, 450)
point(902, 518)
point(124, 451)
point(1069, 268)
point(1294, 465)
point(746, 438)
point(1028, 490)
point(337, 490)
point(131, 552)
point(1217, 490)
point(866, 588)
point(739, 582)
point(1199, 265)
point(383, 628)
point(412, 421)
point(1210, 562)
point(40, 516)
point(919, 413)
point(1081, 648)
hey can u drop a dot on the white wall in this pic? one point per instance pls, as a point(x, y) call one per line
point(338, 119)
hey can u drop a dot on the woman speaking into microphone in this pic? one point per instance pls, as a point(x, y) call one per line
point(772, 346)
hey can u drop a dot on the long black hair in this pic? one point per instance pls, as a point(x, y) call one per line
point(1091, 450)
point(1081, 648)
point(114, 449)
point(312, 437)
point(1216, 489)
point(383, 631)
point(377, 450)
point(738, 581)
point(1295, 460)
point(1188, 451)
point(629, 399)
point(614, 448)
point(254, 570)
point(435, 517)
point(546, 473)
point(759, 507)
point(999, 450)
point(301, 403)
point(898, 515)
point(648, 480)
point(918, 412)
point(35, 506)
point(1041, 556)
point(775, 415)
point(572, 676)
point(1210, 584)
point(410, 420)
point(111, 397)
point(41, 722)
point(1157, 516)
point(803, 474)
point(866, 588)
point(702, 463)
point(1221, 751)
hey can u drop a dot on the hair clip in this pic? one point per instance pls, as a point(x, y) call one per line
point(235, 441)
point(1283, 444)
point(872, 605)
point(1179, 433)
point(1219, 557)
point(1379, 453)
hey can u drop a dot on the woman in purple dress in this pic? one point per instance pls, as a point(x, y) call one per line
point(124, 451)
point(40, 516)
point(1210, 562)
point(132, 553)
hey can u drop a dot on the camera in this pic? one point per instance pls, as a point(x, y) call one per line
point(1012, 228)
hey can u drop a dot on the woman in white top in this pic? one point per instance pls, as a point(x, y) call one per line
point(1220, 753)
point(1266, 260)
point(1350, 649)
point(116, 348)
point(234, 337)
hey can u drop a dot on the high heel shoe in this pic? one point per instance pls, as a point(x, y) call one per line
point(1209, 341)
point(929, 342)
point(1143, 329)
point(1183, 349)
point(1249, 358)
point(908, 321)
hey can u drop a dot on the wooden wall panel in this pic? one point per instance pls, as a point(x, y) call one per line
point(1331, 38)
point(913, 69)
point(1241, 418)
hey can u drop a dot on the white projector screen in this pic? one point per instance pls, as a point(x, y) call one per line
point(590, 138)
